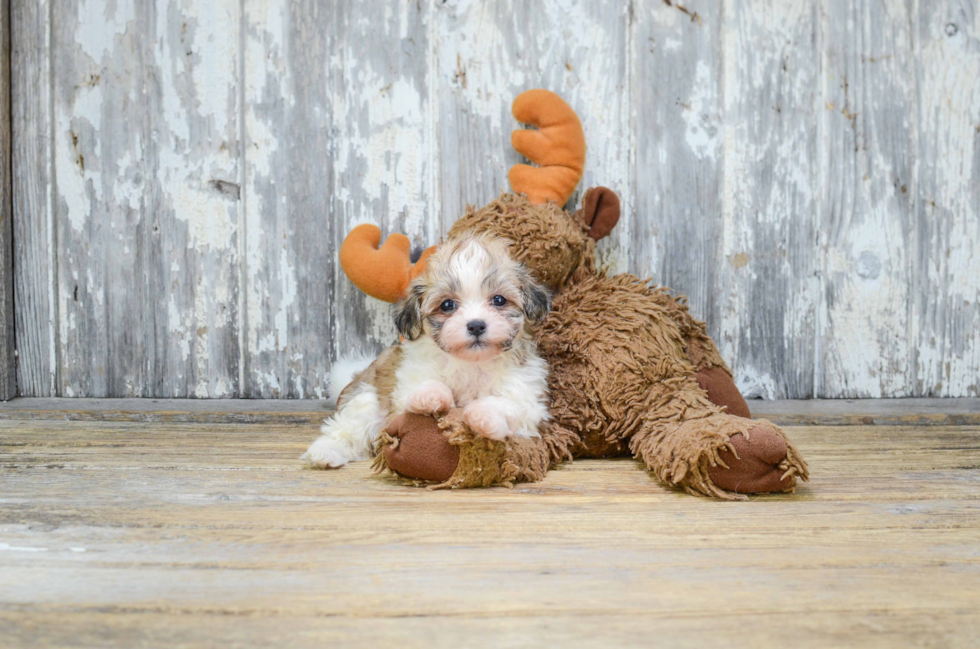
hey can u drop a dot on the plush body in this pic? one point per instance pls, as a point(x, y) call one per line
point(631, 373)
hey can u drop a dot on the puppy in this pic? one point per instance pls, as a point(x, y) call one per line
point(465, 344)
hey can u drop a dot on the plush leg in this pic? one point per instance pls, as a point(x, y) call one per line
point(718, 383)
point(699, 348)
point(446, 452)
point(713, 375)
point(754, 464)
point(717, 454)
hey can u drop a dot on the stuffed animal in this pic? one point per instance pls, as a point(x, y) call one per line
point(632, 372)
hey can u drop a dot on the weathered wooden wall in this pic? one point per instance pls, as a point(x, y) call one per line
point(8, 363)
point(807, 172)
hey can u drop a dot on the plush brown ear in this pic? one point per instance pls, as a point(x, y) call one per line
point(600, 211)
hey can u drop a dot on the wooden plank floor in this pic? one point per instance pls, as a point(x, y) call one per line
point(171, 534)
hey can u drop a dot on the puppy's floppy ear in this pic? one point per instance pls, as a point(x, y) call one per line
point(537, 298)
point(408, 312)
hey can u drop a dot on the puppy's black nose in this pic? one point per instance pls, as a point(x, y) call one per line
point(476, 328)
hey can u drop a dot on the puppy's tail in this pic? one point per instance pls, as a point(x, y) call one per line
point(343, 371)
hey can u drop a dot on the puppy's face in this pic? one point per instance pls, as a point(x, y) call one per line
point(473, 299)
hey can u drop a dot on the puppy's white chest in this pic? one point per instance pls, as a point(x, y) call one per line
point(468, 386)
point(468, 381)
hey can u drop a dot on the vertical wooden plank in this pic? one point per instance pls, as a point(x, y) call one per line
point(97, 84)
point(946, 261)
point(273, 51)
point(339, 133)
point(190, 230)
point(8, 370)
point(768, 287)
point(383, 115)
point(289, 237)
point(868, 209)
point(33, 180)
point(679, 131)
point(487, 54)
point(145, 146)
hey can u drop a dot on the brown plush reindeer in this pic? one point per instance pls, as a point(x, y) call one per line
point(631, 371)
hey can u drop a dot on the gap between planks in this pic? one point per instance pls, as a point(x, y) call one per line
point(816, 412)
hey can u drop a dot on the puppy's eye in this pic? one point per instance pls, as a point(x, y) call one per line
point(498, 300)
point(447, 306)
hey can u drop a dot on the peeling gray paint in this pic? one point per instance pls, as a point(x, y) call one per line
point(184, 171)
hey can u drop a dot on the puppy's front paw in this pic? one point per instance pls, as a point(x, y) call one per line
point(325, 453)
point(430, 397)
point(486, 421)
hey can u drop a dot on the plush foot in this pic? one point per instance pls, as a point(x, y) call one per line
point(486, 421)
point(760, 466)
point(692, 455)
point(429, 398)
point(422, 450)
point(325, 453)
point(722, 391)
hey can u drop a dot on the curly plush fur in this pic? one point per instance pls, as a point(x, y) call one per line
point(624, 359)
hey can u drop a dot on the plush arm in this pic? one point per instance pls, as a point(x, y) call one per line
point(446, 453)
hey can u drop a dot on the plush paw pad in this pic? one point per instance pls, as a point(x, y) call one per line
point(325, 453)
point(486, 421)
point(430, 397)
point(423, 451)
point(757, 467)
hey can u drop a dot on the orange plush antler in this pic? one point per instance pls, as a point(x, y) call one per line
point(557, 147)
point(383, 272)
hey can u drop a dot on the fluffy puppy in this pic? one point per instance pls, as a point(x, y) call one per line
point(465, 344)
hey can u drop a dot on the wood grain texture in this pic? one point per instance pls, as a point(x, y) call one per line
point(677, 85)
point(35, 270)
point(768, 290)
point(288, 192)
point(338, 124)
point(383, 146)
point(190, 188)
point(581, 629)
point(488, 53)
point(118, 534)
point(806, 173)
point(870, 104)
point(811, 412)
point(129, 157)
point(945, 261)
point(8, 360)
